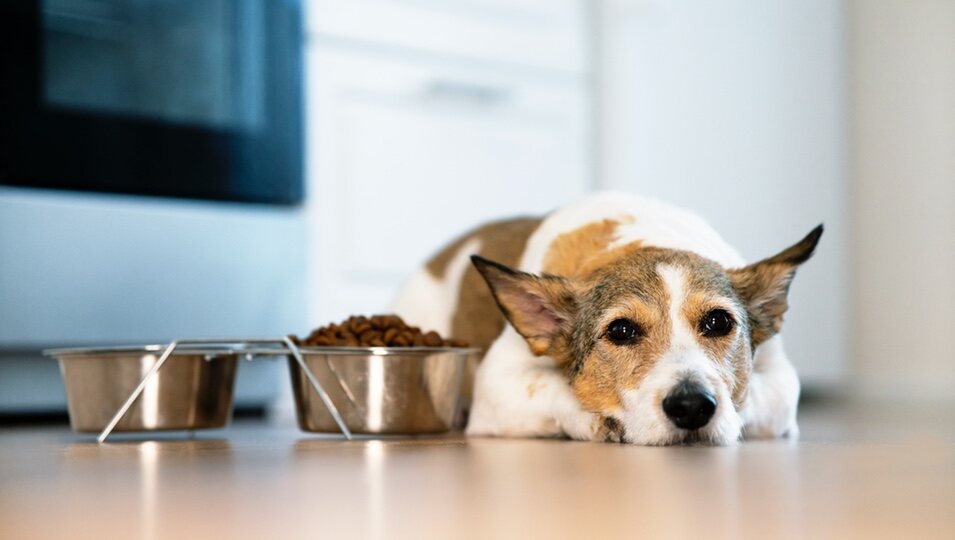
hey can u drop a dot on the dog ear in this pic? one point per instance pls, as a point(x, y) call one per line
point(764, 286)
point(539, 307)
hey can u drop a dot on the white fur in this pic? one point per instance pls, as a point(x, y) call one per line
point(526, 398)
point(519, 394)
point(770, 408)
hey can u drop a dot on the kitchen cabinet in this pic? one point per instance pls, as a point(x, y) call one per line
point(534, 34)
point(408, 149)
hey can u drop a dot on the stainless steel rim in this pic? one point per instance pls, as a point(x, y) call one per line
point(224, 348)
point(386, 351)
point(242, 347)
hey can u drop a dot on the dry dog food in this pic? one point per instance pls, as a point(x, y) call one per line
point(375, 331)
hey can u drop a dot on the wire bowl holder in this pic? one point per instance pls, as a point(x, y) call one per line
point(287, 346)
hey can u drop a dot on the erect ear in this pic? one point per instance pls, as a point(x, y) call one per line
point(539, 307)
point(763, 286)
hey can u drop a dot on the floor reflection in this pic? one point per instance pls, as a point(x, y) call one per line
point(375, 477)
point(276, 482)
point(148, 489)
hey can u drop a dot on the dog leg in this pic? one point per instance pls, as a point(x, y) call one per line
point(770, 407)
point(517, 394)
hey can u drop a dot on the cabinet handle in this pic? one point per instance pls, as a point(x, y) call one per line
point(471, 93)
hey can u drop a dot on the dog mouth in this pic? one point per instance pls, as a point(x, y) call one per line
point(677, 437)
point(696, 438)
point(682, 437)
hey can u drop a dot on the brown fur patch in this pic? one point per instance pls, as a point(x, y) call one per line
point(578, 253)
point(477, 318)
point(596, 387)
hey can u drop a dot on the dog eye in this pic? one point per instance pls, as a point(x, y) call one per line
point(716, 323)
point(623, 331)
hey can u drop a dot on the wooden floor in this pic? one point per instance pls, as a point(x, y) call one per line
point(858, 472)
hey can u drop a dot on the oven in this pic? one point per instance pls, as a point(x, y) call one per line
point(195, 99)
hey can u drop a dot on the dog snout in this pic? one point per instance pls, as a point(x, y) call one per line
point(689, 405)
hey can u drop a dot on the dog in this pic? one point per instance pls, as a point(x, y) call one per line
point(616, 318)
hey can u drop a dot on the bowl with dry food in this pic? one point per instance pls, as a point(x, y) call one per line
point(383, 375)
point(192, 390)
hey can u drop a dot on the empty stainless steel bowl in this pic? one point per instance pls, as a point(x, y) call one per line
point(192, 390)
point(381, 390)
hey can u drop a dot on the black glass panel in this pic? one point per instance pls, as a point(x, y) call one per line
point(187, 98)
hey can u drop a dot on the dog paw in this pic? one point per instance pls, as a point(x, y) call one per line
point(791, 433)
point(608, 429)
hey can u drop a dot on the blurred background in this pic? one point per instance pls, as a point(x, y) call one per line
point(195, 168)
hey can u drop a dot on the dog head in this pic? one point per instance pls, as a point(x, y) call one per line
point(659, 342)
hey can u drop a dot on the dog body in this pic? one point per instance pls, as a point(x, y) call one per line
point(630, 320)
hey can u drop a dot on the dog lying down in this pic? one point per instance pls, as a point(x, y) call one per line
point(627, 320)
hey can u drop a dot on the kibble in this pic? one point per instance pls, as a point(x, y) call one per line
point(375, 331)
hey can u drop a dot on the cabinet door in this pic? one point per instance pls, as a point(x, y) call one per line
point(404, 156)
point(548, 34)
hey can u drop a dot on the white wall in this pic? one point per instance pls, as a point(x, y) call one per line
point(735, 109)
point(902, 55)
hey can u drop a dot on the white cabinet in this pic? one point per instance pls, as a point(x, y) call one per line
point(405, 153)
point(548, 34)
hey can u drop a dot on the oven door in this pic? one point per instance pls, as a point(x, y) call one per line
point(181, 98)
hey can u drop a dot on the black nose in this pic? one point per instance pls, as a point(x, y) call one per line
point(689, 406)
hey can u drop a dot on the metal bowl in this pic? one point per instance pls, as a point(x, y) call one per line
point(193, 390)
point(381, 390)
